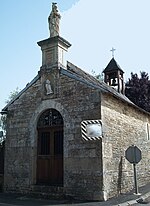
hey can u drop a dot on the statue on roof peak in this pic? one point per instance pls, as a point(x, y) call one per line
point(53, 20)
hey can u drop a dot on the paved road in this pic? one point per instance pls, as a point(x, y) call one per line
point(4, 204)
point(145, 202)
point(20, 200)
point(23, 200)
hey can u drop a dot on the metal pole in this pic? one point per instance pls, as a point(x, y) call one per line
point(135, 179)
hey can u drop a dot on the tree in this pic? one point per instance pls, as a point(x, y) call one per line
point(137, 89)
point(99, 76)
point(12, 95)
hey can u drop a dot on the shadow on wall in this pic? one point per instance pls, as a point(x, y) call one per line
point(119, 182)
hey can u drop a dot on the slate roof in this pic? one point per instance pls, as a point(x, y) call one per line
point(112, 65)
point(78, 74)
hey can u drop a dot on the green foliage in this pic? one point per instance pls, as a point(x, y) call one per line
point(138, 90)
point(12, 95)
point(3, 118)
point(3, 122)
point(99, 76)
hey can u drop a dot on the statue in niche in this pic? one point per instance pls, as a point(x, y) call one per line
point(53, 21)
point(48, 87)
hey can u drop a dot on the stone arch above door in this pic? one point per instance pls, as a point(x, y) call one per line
point(47, 104)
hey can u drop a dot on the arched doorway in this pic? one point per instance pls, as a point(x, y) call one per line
point(50, 148)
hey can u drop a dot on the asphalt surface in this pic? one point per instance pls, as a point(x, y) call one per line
point(122, 200)
point(143, 202)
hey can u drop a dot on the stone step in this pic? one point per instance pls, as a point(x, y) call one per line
point(48, 191)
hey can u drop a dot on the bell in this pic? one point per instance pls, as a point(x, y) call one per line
point(114, 82)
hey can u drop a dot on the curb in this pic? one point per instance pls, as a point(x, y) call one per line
point(132, 202)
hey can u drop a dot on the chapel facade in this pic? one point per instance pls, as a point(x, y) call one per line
point(45, 151)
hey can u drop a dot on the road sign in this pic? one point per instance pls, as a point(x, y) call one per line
point(133, 154)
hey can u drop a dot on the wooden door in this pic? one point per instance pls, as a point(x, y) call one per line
point(50, 155)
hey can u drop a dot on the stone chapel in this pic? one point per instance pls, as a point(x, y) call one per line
point(46, 152)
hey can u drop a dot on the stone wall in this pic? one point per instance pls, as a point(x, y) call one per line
point(123, 126)
point(2, 148)
point(82, 160)
point(93, 170)
point(18, 150)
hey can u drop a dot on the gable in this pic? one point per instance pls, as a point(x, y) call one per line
point(77, 74)
point(21, 92)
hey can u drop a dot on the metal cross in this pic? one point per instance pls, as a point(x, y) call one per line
point(113, 51)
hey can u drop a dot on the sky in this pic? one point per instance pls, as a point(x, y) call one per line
point(93, 27)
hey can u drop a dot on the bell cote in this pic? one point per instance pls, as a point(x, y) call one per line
point(113, 76)
point(54, 47)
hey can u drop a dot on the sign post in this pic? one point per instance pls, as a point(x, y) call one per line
point(135, 179)
point(133, 155)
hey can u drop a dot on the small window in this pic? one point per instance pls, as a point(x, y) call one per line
point(49, 118)
point(148, 132)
